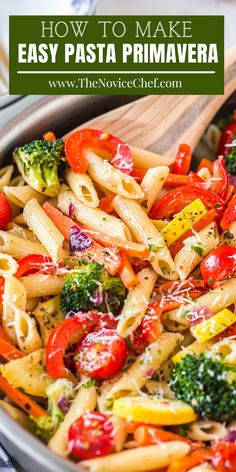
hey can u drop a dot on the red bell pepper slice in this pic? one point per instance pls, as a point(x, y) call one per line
point(104, 143)
point(230, 214)
point(34, 263)
point(220, 180)
point(206, 163)
point(183, 160)
point(62, 337)
point(177, 199)
point(138, 174)
point(228, 134)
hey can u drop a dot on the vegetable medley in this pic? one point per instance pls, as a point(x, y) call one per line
point(118, 296)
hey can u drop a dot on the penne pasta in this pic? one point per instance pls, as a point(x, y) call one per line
point(139, 459)
point(136, 376)
point(14, 299)
point(145, 159)
point(43, 227)
point(42, 285)
point(104, 174)
point(92, 218)
point(27, 336)
point(48, 315)
point(23, 233)
point(207, 431)
point(20, 195)
point(13, 245)
point(229, 235)
point(146, 232)
point(216, 300)
point(8, 265)
point(85, 400)
point(152, 184)
point(83, 188)
point(136, 303)
point(195, 248)
point(5, 176)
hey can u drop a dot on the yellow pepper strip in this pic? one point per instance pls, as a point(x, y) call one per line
point(194, 348)
point(152, 410)
point(183, 221)
point(213, 326)
point(160, 224)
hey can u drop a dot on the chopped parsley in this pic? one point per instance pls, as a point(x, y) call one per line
point(199, 250)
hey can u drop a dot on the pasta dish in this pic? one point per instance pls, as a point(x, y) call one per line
point(118, 301)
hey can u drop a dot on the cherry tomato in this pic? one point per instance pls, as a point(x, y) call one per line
point(33, 263)
point(62, 337)
point(230, 214)
point(91, 435)
point(177, 199)
point(218, 265)
point(182, 160)
point(228, 134)
point(104, 143)
point(106, 320)
point(220, 180)
point(101, 355)
point(5, 211)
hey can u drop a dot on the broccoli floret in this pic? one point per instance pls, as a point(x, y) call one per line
point(207, 385)
point(230, 160)
point(38, 162)
point(59, 393)
point(89, 287)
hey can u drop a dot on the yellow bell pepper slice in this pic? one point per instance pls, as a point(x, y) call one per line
point(213, 326)
point(152, 410)
point(183, 221)
point(194, 348)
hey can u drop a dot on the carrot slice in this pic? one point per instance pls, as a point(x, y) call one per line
point(21, 399)
point(206, 220)
point(127, 273)
point(105, 203)
point(147, 435)
point(7, 351)
point(64, 223)
point(49, 136)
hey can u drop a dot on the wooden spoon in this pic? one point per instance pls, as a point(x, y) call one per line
point(160, 122)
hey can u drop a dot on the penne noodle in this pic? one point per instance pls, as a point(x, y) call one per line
point(145, 159)
point(152, 184)
point(85, 400)
point(5, 176)
point(20, 195)
point(204, 173)
point(146, 232)
point(48, 315)
point(111, 178)
point(216, 300)
point(23, 233)
point(195, 248)
point(17, 181)
point(92, 218)
point(14, 299)
point(8, 265)
point(150, 359)
point(136, 303)
point(139, 459)
point(207, 431)
point(212, 137)
point(27, 336)
point(44, 229)
point(42, 285)
point(83, 188)
point(13, 245)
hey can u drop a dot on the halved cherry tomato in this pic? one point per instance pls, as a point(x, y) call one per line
point(218, 265)
point(206, 163)
point(5, 211)
point(177, 199)
point(183, 160)
point(34, 263)
point(136, 342)
point(220, 178)
point(104, 143)
point(224, 459)
point(91, 435)
point(62, 337)
point(106, 320)
point(229, 214)
point(101, 355)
